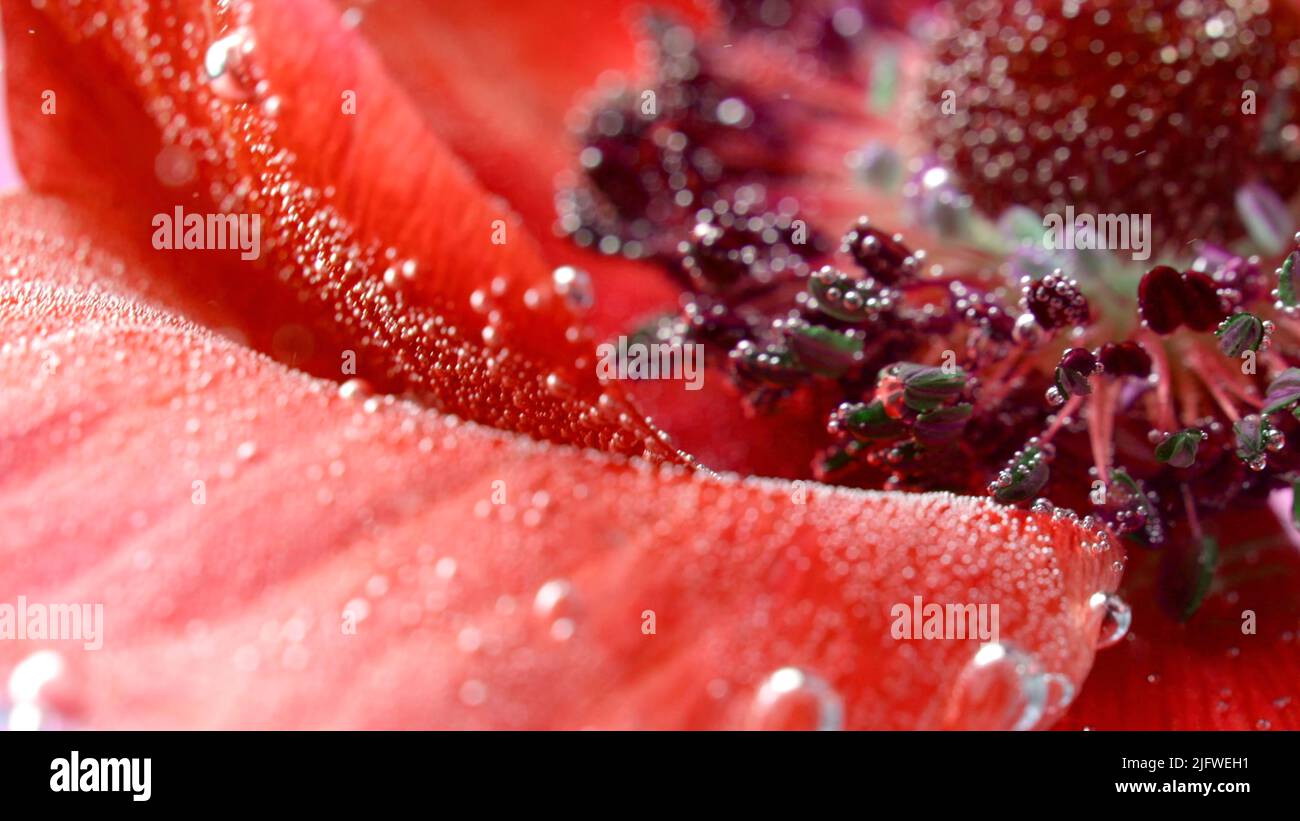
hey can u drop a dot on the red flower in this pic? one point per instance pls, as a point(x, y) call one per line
point(280, 540)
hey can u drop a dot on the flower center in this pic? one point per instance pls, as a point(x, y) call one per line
point(1140, 107)
point(1147, 395)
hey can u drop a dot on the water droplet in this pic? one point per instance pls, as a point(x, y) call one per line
point(1026, 331)
point(574, 284)
point(226, 67)
point(1004, 688)
point(557, 386)
point(1116, 621)
point(478, 301)
point(26, 681)
point(469, 639)
point(174, 166)
point(355, 389)
point(1060, 693)
point(556, 607)
point(794, 699)
point(358, 609)
point(351, 17)
point(30, 675)
point(473, 693)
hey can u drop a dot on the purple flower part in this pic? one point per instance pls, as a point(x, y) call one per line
point(1210, 257)
point(1283, 391)
point(942, 424)
point(1179, 450)
point(1265, 216)
point(1250, 434)
point(865, 422)
point(1125, 359)
point(926, 387)
point(822, 350)
point(1130, 392)
point(1239, 279)
point(1022, 478)
point(1282, 503)
point(1240, 333)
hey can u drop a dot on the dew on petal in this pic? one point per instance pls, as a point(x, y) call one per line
point(574, 285)
point(556, 608)
point(795, 699)
point(1116, 620)
point(1004, 688)
point(224, 64)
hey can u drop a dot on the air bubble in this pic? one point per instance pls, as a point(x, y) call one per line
point(556, 385)
point(1115, 622)
point(574, 284)
point(355, 389)
point(27, 680)
point(226, 68)
point(1004, 688)
point(794, 699)
point(555, 606)
point(473, 693)
point(174, 166)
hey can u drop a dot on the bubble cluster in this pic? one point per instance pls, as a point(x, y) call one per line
point(1142, 107)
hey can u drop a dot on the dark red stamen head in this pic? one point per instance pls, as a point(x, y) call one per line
point(1202, 308)
point(1168, 299)
point(1056, 302)
point(1160, 299)
point(1080, 360)
point(717, 257)
point(1124, 359)
point(883, 256)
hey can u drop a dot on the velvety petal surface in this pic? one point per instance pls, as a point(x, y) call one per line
point(269, 553)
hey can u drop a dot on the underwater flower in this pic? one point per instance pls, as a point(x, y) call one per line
point(371, 478)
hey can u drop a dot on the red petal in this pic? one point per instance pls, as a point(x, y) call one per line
point(1210, 673)
point(519, 53)
point(332, 196)
point(460, 63)
point(496, 79)
point(316, 509)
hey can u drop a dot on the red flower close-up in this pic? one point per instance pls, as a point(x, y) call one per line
point(672, 365)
